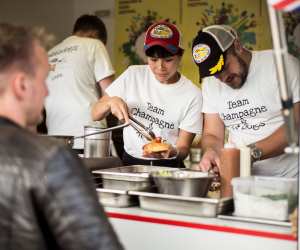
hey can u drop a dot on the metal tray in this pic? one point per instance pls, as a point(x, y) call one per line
point(204, 207)
point(134, 177)
point(116, 198)
point(126, 185)
point(130, 173)
point(254, 220)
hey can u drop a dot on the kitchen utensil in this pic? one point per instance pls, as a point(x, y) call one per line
point(195, 206)
point(69, 139)
point(135, 177)
point(96, 145)
point(104, 130)
point(65, 139)
point(182, 182)
point(116, 198)
point(140, 127)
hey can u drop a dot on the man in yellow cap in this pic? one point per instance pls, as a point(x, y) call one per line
point(241, 94)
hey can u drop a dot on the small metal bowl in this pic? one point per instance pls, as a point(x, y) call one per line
point(182, 182)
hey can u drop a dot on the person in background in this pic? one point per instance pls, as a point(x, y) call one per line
point(80, 72)
point(48, 200)
point(241, 94)
point(158, 96)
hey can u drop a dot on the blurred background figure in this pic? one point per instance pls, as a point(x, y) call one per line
point(80, 71)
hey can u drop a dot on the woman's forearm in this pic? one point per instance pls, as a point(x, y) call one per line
point(101, 108)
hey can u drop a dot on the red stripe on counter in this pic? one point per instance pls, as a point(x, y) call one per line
point(202, 226)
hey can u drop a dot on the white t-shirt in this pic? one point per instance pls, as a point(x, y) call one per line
point(165, 108)
point(77, 64)
point(253, 112)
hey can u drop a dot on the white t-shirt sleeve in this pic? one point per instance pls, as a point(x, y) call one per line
point(102, 64)
point(293, 77)
point(210, 96)
point(192, 121)
point(118, 87)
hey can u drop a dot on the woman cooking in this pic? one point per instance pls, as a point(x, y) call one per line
point(158, 96)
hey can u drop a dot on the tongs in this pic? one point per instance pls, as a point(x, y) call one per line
point(141, 128)
point(103, 130)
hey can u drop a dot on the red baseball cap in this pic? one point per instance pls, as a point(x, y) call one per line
point(163, 34)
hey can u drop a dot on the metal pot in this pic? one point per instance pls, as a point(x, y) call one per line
point(69, 140)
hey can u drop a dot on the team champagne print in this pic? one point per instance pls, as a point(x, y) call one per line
point(237, 113)
point(153, 115)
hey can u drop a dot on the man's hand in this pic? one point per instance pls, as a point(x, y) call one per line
point(212, 142)
point(209, 161)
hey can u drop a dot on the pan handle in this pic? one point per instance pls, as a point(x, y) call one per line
point(103, 131)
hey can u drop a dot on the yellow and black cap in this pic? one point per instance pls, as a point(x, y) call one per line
point(209, 47)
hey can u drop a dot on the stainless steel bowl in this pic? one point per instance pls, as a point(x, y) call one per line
point(182, 182)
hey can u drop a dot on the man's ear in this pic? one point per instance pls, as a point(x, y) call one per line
point(238, 46)
point(19, 85)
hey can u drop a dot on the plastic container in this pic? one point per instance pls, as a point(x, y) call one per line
point(264, 197)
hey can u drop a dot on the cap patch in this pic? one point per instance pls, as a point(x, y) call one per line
point(201, 52)
point(161, 31)
point(218, 67)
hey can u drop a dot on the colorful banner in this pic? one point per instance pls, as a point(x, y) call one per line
point(133, 17)
point(292, 30)
point(249, 18)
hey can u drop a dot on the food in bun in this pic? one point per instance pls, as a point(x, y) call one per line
point(156, 148)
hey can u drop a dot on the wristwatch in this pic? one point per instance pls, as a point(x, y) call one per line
point(255, 152)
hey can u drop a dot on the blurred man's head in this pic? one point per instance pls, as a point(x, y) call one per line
point(23, 71)
point(218, 52)
point(90, 26)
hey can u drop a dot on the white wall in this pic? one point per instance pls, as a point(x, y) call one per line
point(100, 6)
point(54, 15)
point(57, 16)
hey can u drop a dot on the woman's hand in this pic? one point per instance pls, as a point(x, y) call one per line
point(119, 108)
point(106, 105)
